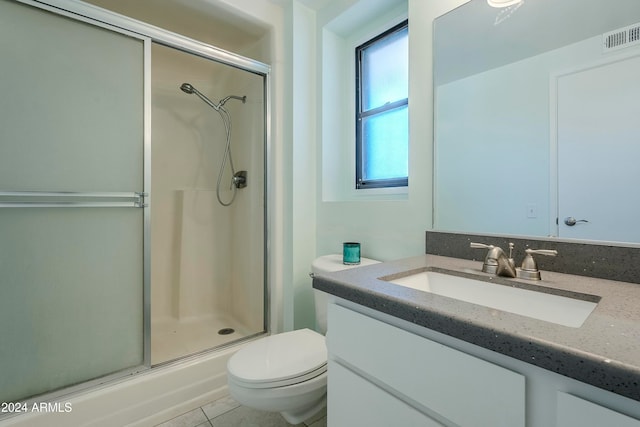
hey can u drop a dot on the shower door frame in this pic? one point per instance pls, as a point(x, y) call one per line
point(149, 34)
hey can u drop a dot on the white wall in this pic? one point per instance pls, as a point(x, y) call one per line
point(390, 225)
point(303, 215)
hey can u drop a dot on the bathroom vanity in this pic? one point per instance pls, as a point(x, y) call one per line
point(405, 356)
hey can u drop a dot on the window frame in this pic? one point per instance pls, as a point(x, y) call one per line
point(360, 115)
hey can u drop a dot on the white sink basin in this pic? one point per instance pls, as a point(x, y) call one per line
point(538, 305)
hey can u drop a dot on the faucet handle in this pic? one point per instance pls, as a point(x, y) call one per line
point(548, 252)
point(529, 269)
point(529, 264)
point(492, 254)
point(481, 246)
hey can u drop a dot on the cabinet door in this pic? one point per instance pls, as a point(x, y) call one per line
point(467, 391)
point(576, 412)
point(354, 401)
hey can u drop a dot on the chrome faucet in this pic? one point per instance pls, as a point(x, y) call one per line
point(496, 262)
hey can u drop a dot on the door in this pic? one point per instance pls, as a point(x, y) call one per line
point(598, 136)
point(72, 214)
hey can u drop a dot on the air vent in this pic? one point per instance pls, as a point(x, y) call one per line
point(621, 38)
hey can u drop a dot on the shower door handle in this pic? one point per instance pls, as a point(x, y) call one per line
point(53, 199)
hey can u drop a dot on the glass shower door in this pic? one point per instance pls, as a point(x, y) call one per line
point(72, 202)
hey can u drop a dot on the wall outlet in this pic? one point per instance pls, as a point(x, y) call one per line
point(532, 210)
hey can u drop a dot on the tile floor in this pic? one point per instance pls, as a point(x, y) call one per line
point(226, 412)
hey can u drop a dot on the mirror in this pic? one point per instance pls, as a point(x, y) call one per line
point(536, 113)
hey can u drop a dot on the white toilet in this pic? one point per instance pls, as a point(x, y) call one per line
point(287, 372)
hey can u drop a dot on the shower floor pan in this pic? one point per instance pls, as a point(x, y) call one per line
point(172, 338)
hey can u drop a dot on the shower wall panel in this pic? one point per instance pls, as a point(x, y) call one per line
point(247, 298)
point(207, 259)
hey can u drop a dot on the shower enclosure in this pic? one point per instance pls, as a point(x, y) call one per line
point(208, 235)
point(116, 254)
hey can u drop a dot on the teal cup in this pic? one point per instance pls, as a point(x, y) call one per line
point(351, 253)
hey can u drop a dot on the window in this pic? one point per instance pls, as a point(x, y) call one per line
point(382, 102)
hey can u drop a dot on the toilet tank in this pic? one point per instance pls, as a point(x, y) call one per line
point(327, 264)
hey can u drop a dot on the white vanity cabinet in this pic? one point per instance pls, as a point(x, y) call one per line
point(573, 412)
point(394, 377)
point(391, 373)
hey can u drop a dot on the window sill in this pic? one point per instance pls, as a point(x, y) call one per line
point(388, 193)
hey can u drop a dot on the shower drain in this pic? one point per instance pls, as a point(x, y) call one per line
point(226, 331)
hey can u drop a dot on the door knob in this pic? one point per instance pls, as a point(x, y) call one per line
point(571, 221)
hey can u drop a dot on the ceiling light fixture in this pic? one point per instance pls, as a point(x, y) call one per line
point(502, 3)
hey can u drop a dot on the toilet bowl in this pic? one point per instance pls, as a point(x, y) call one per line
point(287, 372)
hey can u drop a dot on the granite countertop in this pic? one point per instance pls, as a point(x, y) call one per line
point(603, 352)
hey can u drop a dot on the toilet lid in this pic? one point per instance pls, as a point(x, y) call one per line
point(280, 359)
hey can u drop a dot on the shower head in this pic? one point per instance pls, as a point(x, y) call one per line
point(186, 88)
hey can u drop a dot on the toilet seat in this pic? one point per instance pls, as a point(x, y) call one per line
point(279, 360)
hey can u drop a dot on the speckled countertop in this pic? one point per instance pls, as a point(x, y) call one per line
point(603, 352)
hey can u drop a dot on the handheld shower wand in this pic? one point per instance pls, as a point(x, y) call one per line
point(238, 179)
